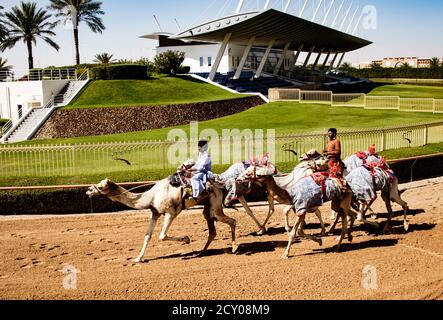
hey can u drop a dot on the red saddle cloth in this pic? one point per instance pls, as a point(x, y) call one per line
point(320, 179)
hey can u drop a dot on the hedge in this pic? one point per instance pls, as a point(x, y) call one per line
point(120, 72)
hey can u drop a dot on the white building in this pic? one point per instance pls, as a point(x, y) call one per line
point(200, 56)
point(19, 97)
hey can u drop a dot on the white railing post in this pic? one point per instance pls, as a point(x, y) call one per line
point(426, 135)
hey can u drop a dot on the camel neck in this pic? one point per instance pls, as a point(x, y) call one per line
point(132, 200)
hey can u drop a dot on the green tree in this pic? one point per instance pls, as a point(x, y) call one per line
point(104, 58)
point(78, 11)
point(169, 62)
point(27, 23)
point(3, 30)
point(375, 65)
point(346, 67)
point(435, 63)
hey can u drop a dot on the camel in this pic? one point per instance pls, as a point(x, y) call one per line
point(365, 182)
point(279, 194)
point(276, 186)
point(307, 196)
point(228, 178)
point(164, 199)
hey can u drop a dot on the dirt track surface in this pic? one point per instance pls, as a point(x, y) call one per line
point(409, 265)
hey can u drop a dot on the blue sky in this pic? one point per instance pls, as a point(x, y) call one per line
point(404, 28)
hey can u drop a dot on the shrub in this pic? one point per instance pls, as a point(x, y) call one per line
point(169, 62)
point(119, 72)
point(184, 69)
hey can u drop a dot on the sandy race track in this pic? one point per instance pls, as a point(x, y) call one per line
point(36, 251)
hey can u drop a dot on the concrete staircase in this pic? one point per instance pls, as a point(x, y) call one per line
point(26, 127)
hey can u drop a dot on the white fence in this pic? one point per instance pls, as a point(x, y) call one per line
point(358, 100)
point(105, 158)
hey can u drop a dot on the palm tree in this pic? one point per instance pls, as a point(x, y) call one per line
point(77, 11)
point(27, 23)
point(4, 68)
point(104, 58)
point(3, 30)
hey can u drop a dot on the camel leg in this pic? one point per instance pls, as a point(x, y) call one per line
point(332, 229)
point(386, 198)
point(286, 214)
point(154, 217)
point(364, 207)
point(395, 196)
point(216, 210)
point(302, 233)
point(323, 229)
point(351, 225)
point(245, 205)
point(292, 235)
point(211, 228)
point(344, 222)
point(169, 218)
point(270, 213)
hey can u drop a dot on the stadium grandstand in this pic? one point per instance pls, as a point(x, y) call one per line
point(252, 51)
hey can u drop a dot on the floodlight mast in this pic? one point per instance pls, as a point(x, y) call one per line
point(339, 10)
point(329, 11)
point(303, 9)
point(158, 24)
point(240, 6)
point(287, 6)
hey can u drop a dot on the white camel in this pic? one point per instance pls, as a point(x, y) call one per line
point(164, 199)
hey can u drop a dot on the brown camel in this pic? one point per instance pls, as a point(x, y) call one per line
point(164, 199)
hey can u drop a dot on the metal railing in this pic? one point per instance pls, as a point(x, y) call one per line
point(105, 158)
point(40, 74)
point(360, 100)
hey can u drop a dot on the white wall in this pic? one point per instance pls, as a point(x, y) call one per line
point(26, 94)
point(52, 87)
point(193, 54)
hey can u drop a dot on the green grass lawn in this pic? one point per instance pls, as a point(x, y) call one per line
point(156, 91)
point(284, 117)
point(408, 91)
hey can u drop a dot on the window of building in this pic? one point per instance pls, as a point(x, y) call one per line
point(202, 61)
point(210, 61)
point(238, 61)
point(233, 61)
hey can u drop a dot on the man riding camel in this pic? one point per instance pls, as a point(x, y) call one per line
point(201, 172)
point(333, 150)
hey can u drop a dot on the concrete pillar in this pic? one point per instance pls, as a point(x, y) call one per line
point(265, 58)
point(244, 58)
point(296, 58)
point(282, 59)
point(333, 61)
point(341, 60)
point(327, 57)
point(220, 54)
point(308, 57)
point(317, 59)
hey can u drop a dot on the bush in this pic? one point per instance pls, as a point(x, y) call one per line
point(184, 70)
point(120, 72)
point(169, 62)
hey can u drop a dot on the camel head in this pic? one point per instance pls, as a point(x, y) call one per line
point(103, 188)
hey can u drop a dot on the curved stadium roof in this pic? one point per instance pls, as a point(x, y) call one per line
point(274, 25)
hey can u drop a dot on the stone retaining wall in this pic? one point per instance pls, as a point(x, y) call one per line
point(72, 123)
